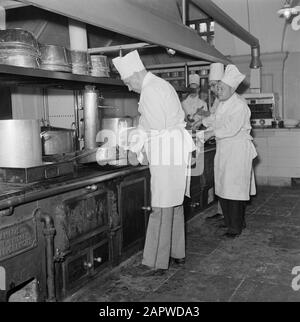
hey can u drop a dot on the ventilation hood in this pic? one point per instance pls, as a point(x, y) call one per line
point(129, 18)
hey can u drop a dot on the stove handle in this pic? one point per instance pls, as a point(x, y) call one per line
point(92, 187)
point(87, 265)
point(6, 212)
point(146, 208)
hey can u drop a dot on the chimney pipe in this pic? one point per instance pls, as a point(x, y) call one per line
point(230, 25)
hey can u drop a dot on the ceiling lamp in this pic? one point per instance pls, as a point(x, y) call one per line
point(171, 51)
point(287, 11)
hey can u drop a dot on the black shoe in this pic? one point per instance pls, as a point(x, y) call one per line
point(231, 235)
point(216, 216)
point(179, 261)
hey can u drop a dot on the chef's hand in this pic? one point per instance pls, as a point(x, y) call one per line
point(196, 125)
point(208, 135)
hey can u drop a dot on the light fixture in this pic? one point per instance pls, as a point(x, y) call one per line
point(287, 11)
point(171, 51)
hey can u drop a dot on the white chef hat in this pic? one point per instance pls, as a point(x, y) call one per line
point(216, 72)
point(232, 76)
point(128, 64)
point(194, 79)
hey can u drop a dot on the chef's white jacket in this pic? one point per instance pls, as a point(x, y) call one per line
point(234, 177)
point(165, 141)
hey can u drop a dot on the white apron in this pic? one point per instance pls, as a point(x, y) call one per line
point(234, 177)
point(169, 156)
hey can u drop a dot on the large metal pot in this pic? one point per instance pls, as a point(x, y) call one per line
point(18, 38)
point(20, 144)
point(57, 140)
point(19, 47)
point(55, 58)
point(115, 125)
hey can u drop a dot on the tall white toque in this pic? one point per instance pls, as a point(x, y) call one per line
point(216, 72)
point(128, 64)
point(232, 76)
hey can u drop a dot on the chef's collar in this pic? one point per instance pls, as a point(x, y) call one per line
point(147, 79)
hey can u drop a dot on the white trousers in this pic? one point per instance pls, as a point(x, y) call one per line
point(165, 237)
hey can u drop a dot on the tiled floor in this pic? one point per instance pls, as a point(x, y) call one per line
point(257, 266)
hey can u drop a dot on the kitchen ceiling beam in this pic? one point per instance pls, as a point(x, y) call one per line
point(127, 17)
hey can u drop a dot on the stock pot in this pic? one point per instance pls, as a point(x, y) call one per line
point(20, 144)
point(57, 140)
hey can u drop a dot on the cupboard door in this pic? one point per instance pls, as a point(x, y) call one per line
point(76, 269)
point(132, 202)
point(100, 255)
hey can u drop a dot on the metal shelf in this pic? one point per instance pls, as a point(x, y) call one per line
point(22, 76)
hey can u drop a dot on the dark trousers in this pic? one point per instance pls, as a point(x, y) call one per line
point(234, 215)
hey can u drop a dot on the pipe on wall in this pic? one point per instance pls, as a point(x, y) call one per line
point(49, 231)
point(184, 12)
point(233, 27)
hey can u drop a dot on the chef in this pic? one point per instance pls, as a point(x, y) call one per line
point(194, 107)
point(216, 72)
point(168, 147)
point(234, 180)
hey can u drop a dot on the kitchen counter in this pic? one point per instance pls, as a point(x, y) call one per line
point(278, 158)
point(276, 129)
point(14, 194)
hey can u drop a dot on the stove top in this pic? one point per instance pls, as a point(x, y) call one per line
point(39, 173)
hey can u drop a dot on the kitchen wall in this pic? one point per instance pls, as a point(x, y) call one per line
point(279, 44)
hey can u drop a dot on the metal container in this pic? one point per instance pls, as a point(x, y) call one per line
point(91, 120)
point(81, 62)
point(116, 123)
point(18, 38)
point(57, 140)
point(19, 47)
point(55, 58)
point(20, 144)
point(21, 60)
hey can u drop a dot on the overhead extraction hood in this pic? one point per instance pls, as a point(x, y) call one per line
point(129, 18)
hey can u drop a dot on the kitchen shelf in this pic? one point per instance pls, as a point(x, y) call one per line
point(22, 76)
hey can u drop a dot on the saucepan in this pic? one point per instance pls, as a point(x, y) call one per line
point(57, 140)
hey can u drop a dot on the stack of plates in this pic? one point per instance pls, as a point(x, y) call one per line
point(99, 67)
